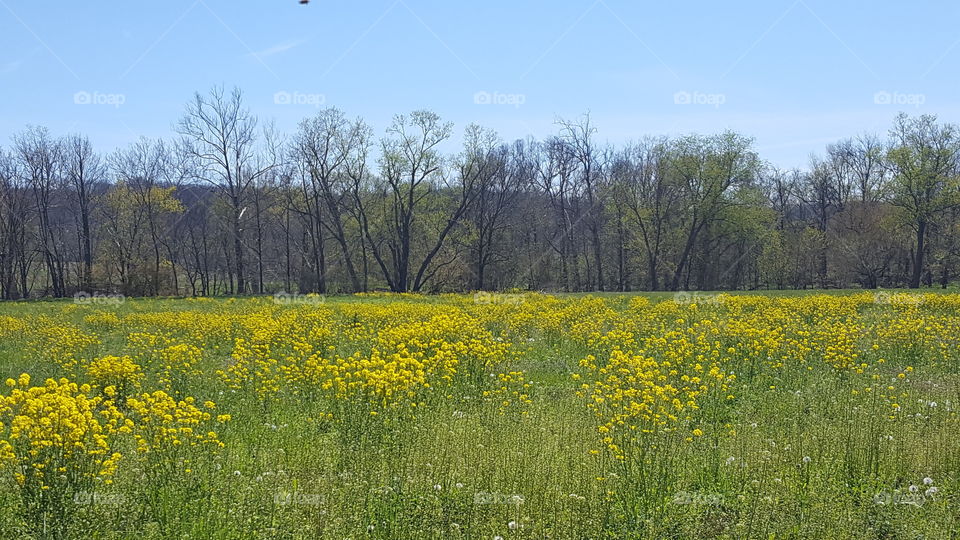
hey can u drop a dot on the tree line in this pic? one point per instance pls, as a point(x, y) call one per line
point(231, 206)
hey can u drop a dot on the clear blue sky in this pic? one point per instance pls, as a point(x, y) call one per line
point(793, 74)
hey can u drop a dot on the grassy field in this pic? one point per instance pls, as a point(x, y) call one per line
point(511, 416)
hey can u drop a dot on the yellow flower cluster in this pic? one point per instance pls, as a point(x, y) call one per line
point(60, 435)
point(63, 344)
point(177, 364)
point(56, 432)
point(102, 320)
point(654, 367)
point(11, 326)
point(115, 374)
point(391, 360)
point(163, 422)
point(654, 389)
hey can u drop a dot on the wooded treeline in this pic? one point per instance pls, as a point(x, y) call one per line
point(229, 206)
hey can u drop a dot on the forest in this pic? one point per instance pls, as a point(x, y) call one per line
point(228, 205)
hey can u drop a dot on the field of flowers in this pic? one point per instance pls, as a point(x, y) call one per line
point(482, 416)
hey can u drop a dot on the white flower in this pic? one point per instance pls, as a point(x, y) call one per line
point(512, 525)
point(459, 485)
point(914, 489)
point(370, 528)
point(932, 490)
point(806, 459)
point(928, 481)
point(437, 487)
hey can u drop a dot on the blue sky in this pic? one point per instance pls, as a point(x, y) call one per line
point(793, 74)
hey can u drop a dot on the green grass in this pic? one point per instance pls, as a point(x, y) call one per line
point(794, 454)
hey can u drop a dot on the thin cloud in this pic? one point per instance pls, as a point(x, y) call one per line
point(10, 67)
point(278, 48)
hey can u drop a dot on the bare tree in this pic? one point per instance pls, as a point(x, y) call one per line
point(43, 163)
point(85, 170)
point(223, 136)
point(579, 137)
point(324, 144)
point(503, 173)
point(641, 174)
point(411, 169)
point(16, 255)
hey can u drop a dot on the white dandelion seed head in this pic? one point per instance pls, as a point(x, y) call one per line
point(928, 481)
point(914, 489)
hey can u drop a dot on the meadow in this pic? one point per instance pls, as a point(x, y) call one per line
point(488, 416)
